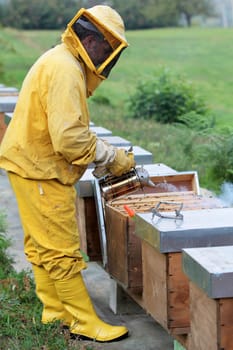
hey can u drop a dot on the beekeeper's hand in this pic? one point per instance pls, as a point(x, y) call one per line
point(112, 160)
point(122, 163)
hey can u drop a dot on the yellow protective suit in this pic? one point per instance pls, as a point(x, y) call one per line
point(53, 140)
point(46, 149)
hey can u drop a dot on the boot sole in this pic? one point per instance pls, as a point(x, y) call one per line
point(83, 337)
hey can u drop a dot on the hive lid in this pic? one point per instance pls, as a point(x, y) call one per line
point(7, 103)
point(211, 269)
point(198, 228)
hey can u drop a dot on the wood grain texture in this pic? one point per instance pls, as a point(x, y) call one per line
point(204, 321)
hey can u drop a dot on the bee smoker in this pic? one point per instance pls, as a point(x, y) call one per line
point(114, 186)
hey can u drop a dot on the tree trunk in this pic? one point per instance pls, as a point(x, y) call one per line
point(188, 18)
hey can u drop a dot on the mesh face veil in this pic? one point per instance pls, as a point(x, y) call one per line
point(106, 25)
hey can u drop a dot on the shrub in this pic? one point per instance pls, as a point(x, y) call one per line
point(198, 122)
point(213, 155)
point(165, 98)
point(223, 155)
point(102, 100)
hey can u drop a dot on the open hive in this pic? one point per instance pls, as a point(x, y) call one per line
point(124, 248)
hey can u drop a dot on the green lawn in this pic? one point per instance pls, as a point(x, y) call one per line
point(203, 56)
point(19, 49)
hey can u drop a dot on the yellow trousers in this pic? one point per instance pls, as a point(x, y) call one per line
point(48, 216)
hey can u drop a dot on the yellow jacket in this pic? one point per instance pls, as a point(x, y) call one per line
point(48, 136)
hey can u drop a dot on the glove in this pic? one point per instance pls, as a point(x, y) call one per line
point(105, 153)
point(122, 163)
point(100, 171)
point(112, 160)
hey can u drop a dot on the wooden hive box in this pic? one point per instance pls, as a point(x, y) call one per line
point(124, 248)
point(165, 285)
point(210, 272)
point(86, 203)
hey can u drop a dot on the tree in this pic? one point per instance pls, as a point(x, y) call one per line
point(192, 8)
point(54, 14)
point(161, 13)
point(146, 13)
point(43, 14)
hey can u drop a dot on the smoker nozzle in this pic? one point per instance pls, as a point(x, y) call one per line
point(150, 183)
point(144, 177)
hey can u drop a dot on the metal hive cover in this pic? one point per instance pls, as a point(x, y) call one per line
point(211, 269)
point(199, 228)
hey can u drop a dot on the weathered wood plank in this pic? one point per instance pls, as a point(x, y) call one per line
point(155, 283)
point(178, 293)
point(204, 320)
point(226, 323)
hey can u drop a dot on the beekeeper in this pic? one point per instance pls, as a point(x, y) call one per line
point(45, 151)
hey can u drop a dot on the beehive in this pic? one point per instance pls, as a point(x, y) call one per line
point(124, 247)
point(165, 286)
point(86, 204)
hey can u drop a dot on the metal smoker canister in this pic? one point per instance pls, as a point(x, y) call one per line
point(113, 187)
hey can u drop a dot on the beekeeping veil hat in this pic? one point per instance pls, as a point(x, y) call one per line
point(109, 25)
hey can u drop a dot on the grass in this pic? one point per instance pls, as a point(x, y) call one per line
point(204, 56)
point(19, 50)
point(20, 311)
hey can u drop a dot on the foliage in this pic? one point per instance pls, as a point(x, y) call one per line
point(165, 98)
point(161, 13)
point(179, 147)
point(54, 14)
point(2, 47)
point(1, 71)
point(196, 121)
point(194, 8)
point(41, 14)
point(222, 153)
point(101, 99)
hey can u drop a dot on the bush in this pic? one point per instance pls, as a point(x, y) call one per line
point(165, 98)
point(198, 122)
point(223, 155)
